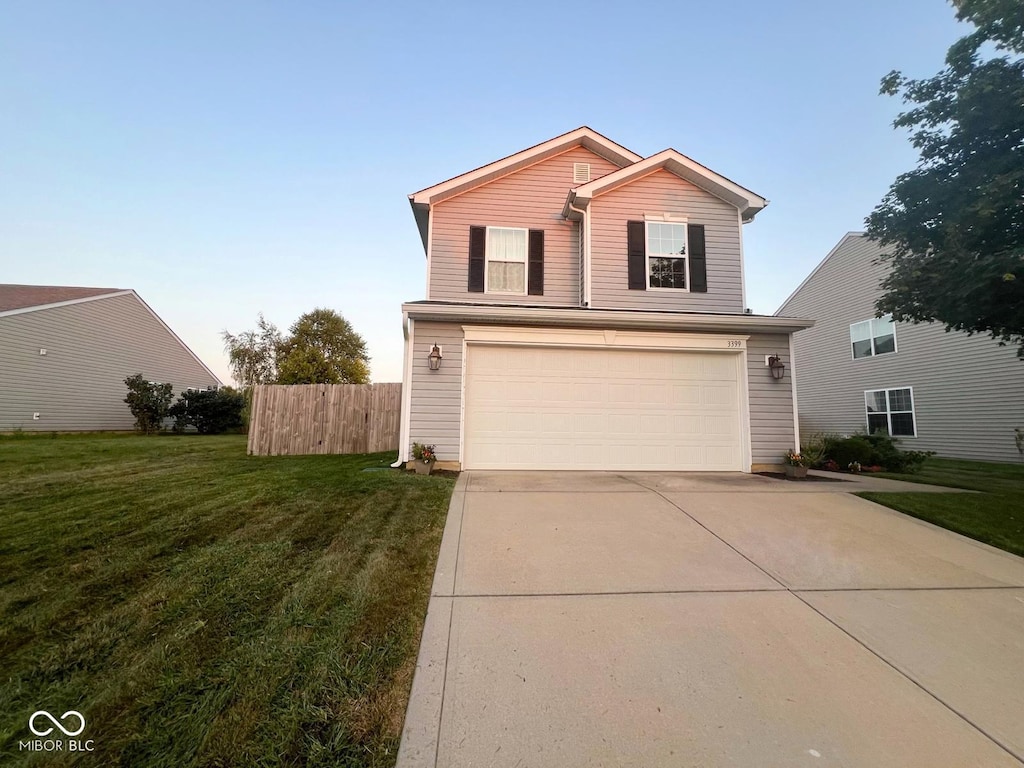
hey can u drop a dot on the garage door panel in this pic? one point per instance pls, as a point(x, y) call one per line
point(556, 391)
point(590, 392)
point(717, 394)
point(535, 408)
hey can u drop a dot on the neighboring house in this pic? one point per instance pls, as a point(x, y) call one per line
point(957, 395)
point(65, 352)
point(588, 308)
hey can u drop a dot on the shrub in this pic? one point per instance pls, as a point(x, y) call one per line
point(886, 454)
point(852, 450)
point(149, 403)
point(815, 448)
point(210, 412)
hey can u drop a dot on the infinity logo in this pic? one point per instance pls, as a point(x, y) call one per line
point(56, 722)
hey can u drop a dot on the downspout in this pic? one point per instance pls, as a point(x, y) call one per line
point(403, 431)
point(792, 383)
point(585, 239)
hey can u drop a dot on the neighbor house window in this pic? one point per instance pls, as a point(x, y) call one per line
point(891, 410)
point(666, 254)
point(506, 260)
point(876, 336)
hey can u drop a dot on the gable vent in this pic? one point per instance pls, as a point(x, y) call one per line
point(580, 173)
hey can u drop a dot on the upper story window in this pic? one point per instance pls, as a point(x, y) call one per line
point(876, 336)
point(891, 410)
point(506, 260)
point(666, 255)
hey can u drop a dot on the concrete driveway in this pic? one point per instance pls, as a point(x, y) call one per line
point(615, 619)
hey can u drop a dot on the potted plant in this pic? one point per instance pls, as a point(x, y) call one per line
point(424, 457)
point(796, 466)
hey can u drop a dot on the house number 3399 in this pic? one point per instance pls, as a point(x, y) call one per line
point(735, 343)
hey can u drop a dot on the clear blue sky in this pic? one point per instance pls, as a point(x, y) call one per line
point(229, 158)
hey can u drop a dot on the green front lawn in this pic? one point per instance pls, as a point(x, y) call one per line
point(202, 607)
point(994, 516)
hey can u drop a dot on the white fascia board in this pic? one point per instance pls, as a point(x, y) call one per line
point(68, 303)
point(606, 318)
point(587, 136)
point(815, 271)
point(748, 203)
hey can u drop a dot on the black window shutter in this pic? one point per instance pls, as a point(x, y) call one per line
point(698, 258)
point(637, 249)
point(477, 247)
point(535, 276)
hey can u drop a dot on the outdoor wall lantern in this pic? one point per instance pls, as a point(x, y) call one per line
point(777, 367)
point(434, 358)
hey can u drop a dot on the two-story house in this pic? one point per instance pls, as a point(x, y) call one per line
point(958, 395)
point(585, 309)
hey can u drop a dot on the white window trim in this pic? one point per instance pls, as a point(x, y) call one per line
point(526, 264)
point(871, 338)
point(888, 412)
point(665, 218)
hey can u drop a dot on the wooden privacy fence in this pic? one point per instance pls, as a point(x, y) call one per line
point(324, 418)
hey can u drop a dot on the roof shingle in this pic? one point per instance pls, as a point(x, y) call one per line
point(23, 296)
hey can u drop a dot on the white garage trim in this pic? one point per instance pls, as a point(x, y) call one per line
point(582, 337)
point(462, 407)
point(733, 345)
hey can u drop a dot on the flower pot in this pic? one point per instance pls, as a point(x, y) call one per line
point(795, 473)
point(423, 467)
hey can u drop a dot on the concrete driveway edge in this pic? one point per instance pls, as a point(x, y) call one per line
point(448, 555)
point(418, 748)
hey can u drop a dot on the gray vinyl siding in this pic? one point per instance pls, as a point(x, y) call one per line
point(968, 391)
point(435, 413)
point(771, 400)
point(531, 198)
point(658, 193)
point(90, 348)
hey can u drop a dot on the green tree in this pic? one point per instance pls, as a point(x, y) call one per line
point(253, 354)
point(149, 403)
point(953, 228)
point(323, 348)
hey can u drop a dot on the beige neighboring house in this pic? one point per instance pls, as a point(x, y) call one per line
point(958, 395)
point(588, 312)
point(65, 352)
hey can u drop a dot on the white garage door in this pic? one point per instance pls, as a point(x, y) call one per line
point(578, 408)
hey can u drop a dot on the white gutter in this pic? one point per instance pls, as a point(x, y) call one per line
point(605, 318)
point(403, 431)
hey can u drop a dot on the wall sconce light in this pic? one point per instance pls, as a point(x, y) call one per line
point(777, 367)
point(434, 358)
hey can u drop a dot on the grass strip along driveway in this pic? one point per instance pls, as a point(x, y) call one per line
point(994, 516)
point(202, 607)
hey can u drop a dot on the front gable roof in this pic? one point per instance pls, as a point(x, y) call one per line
point(828, 256)
point(749, 203)
point(582, 136)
